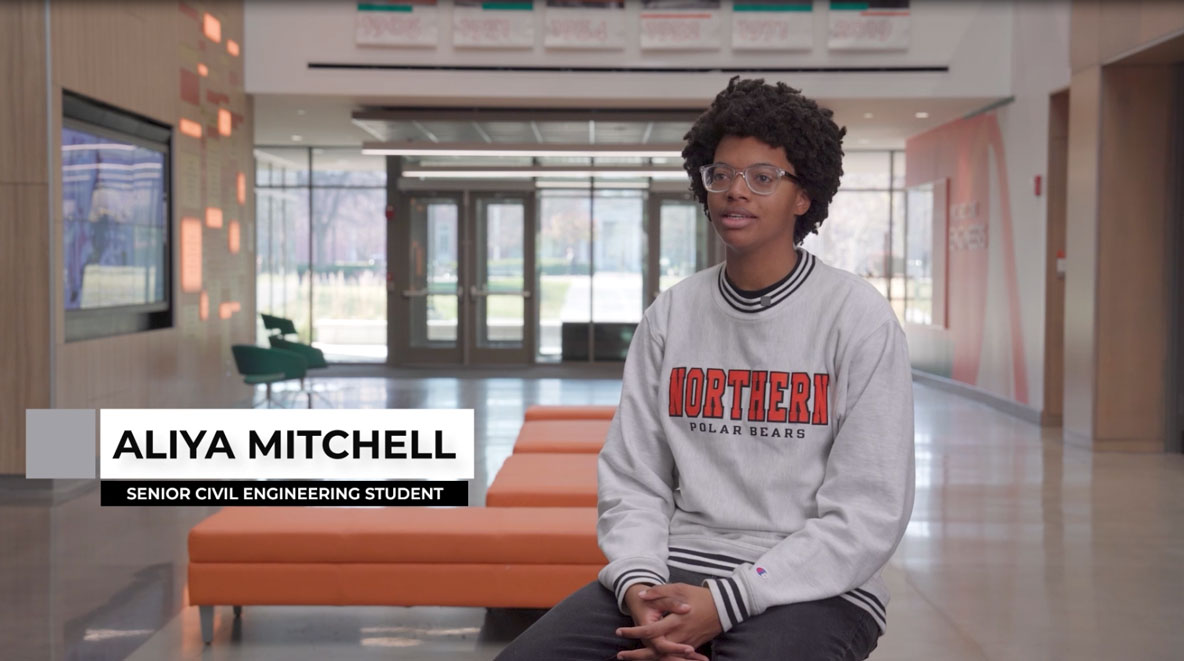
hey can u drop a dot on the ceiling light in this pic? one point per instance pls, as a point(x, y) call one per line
point(300, 111)
point(526, 150)
point(526, 173)
point(922, 115)
point(297, 138)
point(543, 183)
point(868, 115)
point(864, 141)
point(526, 153)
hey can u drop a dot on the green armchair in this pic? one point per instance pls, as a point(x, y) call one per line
point(312, 355)
point(267, 366)
point(284, 326)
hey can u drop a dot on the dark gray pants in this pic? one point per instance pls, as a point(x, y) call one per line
point(581, 628)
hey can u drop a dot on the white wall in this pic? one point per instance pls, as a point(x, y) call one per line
point(1040, 66)
point(282, 38)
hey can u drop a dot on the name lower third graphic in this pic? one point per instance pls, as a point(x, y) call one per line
point(288, 493)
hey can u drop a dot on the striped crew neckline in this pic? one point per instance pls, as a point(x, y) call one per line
point(753, 302)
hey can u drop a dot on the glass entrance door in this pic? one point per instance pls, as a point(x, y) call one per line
point(464, 291)
point(428, 301)
point(501, 301)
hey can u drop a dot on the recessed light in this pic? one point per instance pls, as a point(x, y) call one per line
point(300, 112)
point(297, 138)
point(922, 115)
point(868, 115)
point(864, 141)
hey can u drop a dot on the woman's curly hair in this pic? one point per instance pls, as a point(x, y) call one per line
point(779, 116)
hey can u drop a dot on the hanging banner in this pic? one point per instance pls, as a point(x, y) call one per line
point(477, 24)
point(680, 24)
point(584, 24)
point(871, 25)
point(773, 25)
point(396, 23)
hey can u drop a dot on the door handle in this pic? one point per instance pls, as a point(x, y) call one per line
point(476, 291)
point(419, 293)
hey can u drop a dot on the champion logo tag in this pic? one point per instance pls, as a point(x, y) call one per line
point(760, 571)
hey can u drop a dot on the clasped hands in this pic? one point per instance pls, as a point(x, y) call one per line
point(672, 621)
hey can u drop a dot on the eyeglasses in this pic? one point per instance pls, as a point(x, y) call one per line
point(761, 179)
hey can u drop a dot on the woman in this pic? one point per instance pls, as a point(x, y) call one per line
point(758, 474)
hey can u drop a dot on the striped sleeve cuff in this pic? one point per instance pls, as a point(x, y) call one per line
point(731, 601)
point(632, 577)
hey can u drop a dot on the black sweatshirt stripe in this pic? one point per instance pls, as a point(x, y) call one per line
point(859, 600)
point(735, 562)
point(871, 596)
point(729, 607)
point(638, 574)
point(739, 596)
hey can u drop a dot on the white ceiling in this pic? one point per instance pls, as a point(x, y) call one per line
point(328, 121)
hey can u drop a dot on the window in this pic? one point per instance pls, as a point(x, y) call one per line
point(864, 229)
point(918, 307)
point(322, 247)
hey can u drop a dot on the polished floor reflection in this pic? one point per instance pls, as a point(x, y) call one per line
point(1020, 548)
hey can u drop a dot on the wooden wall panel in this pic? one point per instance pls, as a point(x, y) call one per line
point(22, 110)
point(1103, 30)
point(188, 365)
point(1084, 29)
point(24, 229)
point(1081, 241)
point(125, 58)
point(24, 315)
point(1158, 18)
point(1132, 220)
point(1119, 25)
point(1054, 284)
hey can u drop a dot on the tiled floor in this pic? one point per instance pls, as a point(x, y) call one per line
point(1020, 548)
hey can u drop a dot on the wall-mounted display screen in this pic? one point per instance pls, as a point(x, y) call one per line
point(114, 212)
point(116, 223)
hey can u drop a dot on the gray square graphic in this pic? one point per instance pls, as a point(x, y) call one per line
point(60, 444)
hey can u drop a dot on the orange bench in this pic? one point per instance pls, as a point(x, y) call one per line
point(545, 480)
point(585, 436)
point(486, 557)
point(546, 412)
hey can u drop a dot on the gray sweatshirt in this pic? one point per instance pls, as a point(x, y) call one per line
point(762, 438)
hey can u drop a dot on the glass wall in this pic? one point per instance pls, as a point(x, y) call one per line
point(684, 234)
point(865, 230)
point(322, 247)
point(619, 253)
point(565, 265)
point(918, 270)
point(281, 237)
point(591, 259)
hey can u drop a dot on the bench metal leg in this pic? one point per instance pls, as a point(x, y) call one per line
point(238, 612)
point(207, 623)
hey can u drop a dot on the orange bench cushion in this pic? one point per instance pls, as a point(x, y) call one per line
point(541, 412)
point(398, 535)
point(300, 584)
point(562, 436)
point(544, 480)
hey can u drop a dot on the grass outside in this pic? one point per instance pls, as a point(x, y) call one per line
point(507, 306)
point(365, 299)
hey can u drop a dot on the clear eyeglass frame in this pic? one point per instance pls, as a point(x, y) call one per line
point(761, 179)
